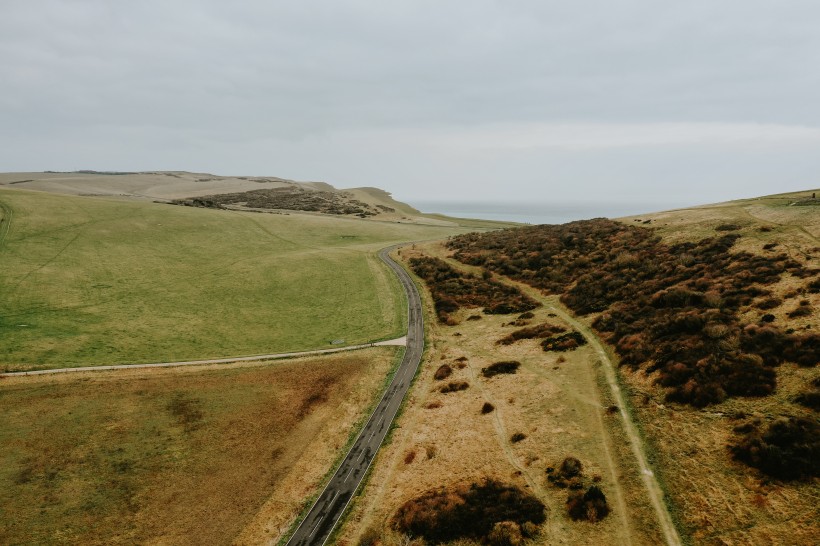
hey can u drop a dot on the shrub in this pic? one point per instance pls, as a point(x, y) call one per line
point(589, 506)
point(467, 511)
point(517, 437)
point(769, 303)
point(443, 372)
point(487, 408)
point(454, 386)
point(571, 467)
point(564, 342)
point(801, 311)
point(409, 457)
point(539, 331)
point(569, 474)
point(506, 366)
point(789, 449)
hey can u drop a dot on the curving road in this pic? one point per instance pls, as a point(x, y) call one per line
point(329, 507)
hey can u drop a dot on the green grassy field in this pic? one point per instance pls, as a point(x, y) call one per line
point(89, 281)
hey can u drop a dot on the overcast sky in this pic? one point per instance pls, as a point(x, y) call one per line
point(695, 101)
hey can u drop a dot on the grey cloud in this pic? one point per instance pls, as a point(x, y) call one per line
point(282, 88)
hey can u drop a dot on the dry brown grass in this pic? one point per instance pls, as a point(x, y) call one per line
point(720, 501)
point(716, 500)
point(561, 412)
point(176, 456)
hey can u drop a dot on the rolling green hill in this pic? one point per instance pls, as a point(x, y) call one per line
point(102, 280)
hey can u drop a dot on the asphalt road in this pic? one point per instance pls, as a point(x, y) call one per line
point(329, 507)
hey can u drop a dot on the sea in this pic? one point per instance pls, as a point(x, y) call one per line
point(543, 213)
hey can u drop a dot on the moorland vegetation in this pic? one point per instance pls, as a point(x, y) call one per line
point(491, 511)
point(673, 310)
point(452, 290)
point(290, 197)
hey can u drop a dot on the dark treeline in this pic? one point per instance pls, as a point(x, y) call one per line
point(672, 309)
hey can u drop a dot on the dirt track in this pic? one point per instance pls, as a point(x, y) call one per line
point(653, 489)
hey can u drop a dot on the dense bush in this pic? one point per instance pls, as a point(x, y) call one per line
point(452, 290)
point(564, 342)
point(467, 511)
point(788, 449)
point(487, 408)
point(443, 372)
point(531, 332)
point(507, 366)
point(454, 386)
point(589, 506)
point(672, 309)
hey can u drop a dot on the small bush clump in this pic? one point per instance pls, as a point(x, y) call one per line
point(531, 332)
point(564, 342)
point(487, 408)
point(517, 437)
point(590, 506)
point(801, 311)
point(506, 366)
point(469, 511)
point(454, 386)
point(443, 372)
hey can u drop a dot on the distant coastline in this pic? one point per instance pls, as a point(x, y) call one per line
point(542, 213)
